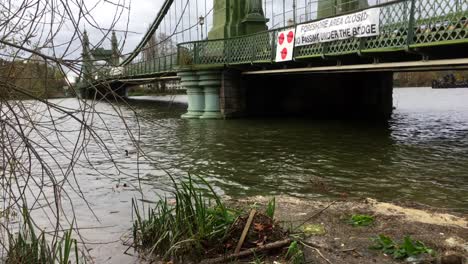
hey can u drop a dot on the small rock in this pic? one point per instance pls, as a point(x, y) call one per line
point(421, 259)
point(456, 242)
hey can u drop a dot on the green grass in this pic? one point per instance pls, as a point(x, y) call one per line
point(361, 220)
point(295, 254)
point(257, 259)
point(28, 247)
point(271, 207)
point(405, 249)
point(198, 220)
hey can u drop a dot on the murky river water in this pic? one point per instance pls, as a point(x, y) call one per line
point(421, 155)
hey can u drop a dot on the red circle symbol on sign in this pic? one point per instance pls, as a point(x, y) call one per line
point(284, 53)
point(281, 39)
point(290, 36)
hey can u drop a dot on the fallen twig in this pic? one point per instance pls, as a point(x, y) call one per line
point(311, 244)
point(318, 251)
point(245, 231)
point(248, 252)
point(315, 215)
point(351, 249)
point(348, 249)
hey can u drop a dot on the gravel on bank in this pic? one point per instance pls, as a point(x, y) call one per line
point(341, 243)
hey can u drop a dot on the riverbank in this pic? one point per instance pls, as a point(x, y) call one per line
point(335, 240)
point(173, 98)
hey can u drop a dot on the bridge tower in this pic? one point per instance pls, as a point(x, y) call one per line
point(90, 69)
point(85, 77)
point(237, 17)
point(87, 67)
point(115, 57)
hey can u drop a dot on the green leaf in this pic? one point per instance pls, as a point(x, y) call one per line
point(361, 220)
point(407, 248)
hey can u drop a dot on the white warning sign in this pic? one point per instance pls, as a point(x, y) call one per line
point(361, 24)
point(285, 45)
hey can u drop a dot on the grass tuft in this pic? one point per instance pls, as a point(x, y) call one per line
point(28, 247)
point(197, 221)
point(295, 254)
point(271, 207)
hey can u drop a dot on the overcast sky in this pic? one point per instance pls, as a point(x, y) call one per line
point(139, 16)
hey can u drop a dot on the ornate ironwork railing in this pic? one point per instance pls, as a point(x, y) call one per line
point(404, 24)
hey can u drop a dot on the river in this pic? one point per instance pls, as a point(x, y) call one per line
point(421, 155)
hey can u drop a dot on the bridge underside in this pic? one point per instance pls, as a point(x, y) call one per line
point(229, 93)
point(338, 95)
point(113, 90)
point(117, 89)
point(411, 59)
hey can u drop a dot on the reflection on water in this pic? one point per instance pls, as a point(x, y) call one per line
point(420, 155)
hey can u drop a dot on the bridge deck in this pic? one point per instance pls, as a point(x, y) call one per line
point(409, 30)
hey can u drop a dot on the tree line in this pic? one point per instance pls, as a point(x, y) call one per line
point(35, 78)
point(424, 79)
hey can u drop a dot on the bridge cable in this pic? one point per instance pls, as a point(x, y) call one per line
point(175, 32)
point(196, 18)
point(189, 16)
point(161, 14)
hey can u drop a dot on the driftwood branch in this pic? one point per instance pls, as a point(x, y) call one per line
point(248, 252)
point(245, 231)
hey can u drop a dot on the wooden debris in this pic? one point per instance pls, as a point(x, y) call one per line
point(245, 231)
point(248, 252)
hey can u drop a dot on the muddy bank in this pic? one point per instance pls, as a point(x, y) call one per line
point(340, 242)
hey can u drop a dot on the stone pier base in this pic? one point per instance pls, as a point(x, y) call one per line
point(196, 98)
point(213, 94)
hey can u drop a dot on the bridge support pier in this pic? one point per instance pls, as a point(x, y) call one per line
point(211, 83)
point(203, 89)
point(196, 99)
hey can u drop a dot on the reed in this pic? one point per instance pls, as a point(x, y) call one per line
point(198, 220)
point(28, 247)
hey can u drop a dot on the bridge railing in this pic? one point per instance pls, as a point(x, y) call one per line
point(404, 24)
point(162, 64)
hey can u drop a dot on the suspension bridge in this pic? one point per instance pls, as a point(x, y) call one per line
point(237, 57)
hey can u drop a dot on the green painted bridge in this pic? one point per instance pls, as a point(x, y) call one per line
point(239, 50)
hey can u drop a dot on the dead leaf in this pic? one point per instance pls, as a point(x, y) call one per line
point(259, 227)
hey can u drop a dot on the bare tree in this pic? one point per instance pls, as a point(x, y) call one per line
point(159, 46)
point(45, 143)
